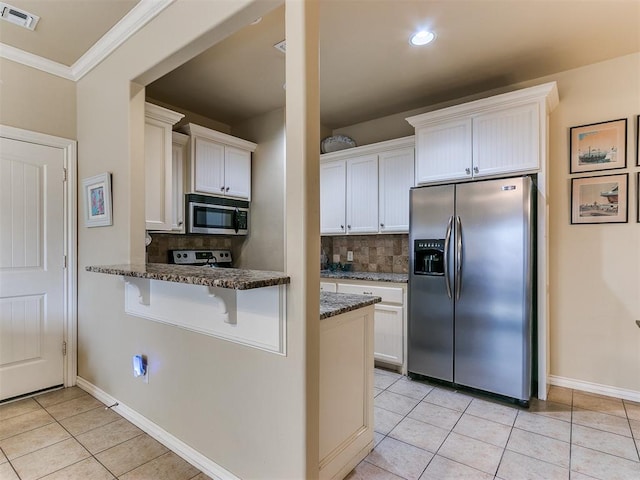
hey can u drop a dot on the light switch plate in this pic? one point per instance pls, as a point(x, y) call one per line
point(349, 256)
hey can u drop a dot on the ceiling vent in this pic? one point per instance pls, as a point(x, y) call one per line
point(17, 16)
point(282, 46)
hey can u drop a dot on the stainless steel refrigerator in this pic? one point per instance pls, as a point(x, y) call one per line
point(470, 285)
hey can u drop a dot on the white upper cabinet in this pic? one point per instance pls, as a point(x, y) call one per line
point(333, 195)
point(179, 154)
point(395, 179)
point(362, 194)
point(494, 136)
point(366, 189)
point(220, 164)
point(158, 167)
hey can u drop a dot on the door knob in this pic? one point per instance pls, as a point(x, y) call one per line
point(467, 171)
point(476, 170)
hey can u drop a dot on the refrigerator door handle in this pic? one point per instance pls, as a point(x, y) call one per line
point(458, 257)
point(447, 240)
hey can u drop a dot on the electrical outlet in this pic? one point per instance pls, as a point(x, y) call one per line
point(349, 256)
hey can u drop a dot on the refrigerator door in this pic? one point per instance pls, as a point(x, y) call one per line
point(493, 312)
point(430, 339)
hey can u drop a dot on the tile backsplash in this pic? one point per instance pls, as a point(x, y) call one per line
point(162, 243)
point(371, 253)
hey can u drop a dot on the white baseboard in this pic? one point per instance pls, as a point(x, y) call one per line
point(180, 448)
point(594, 388)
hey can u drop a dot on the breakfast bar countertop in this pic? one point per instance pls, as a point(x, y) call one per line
point(332, 304)
point(232, 278)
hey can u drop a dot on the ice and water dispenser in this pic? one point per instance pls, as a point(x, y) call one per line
point(429, 257)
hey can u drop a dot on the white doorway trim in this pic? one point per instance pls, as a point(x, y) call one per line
point(69, 149)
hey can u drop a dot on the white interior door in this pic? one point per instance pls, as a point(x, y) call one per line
point(32, 276)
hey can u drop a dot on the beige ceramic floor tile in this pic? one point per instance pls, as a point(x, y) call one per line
point(7, 472)
point(20, 407)
point(67, 409)
point(24, 423)
point(599, 403)
point(606, 442)
point(560, 395)
point(602, 465)
point(390, 373)
point(384, 420)
point(166, 467)
point(131, 454)
point(383, 381)
point(400, 459)
point(441, 468)
point(435, 415)
point(410, 388)
point(50, 459)
point(419, 434)
point(33, 440)
point(368, 471)
point(3, 457)
point(377, 391)
point(557, 411)
point(544, 425)
point(484, 430)
point(633, 410)
point(395, 403)
point(201, 476)
point(579, 476)
point(109, 435)
point(515, 466)
point(59, 396)
point(471, 452)
point(88, 469)
point(448, 399)
point(492, 411)
point(377, 438)
point(602, 421)
point(83, 422)
point(635, 428)
point(540, 447)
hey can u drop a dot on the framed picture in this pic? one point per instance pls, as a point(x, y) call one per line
point(599, 146)
point(638, 140)
point(97, 200)
point(601, 199)
point(638, 196)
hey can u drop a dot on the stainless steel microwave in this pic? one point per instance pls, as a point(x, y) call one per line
point(216, 215)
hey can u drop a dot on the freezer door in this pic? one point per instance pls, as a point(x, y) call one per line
point(430, 338)
point(493, 310)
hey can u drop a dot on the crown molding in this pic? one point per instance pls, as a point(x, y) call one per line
point(133, 21)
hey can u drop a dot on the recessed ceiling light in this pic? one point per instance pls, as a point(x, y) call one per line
point(422, 38)
point(18, 16)
point(256, 21)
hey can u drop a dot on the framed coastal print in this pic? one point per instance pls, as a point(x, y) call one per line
point(601, 199)
point(97, 200)
point(598, 146)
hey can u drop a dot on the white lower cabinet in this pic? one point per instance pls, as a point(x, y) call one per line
point(390, 322)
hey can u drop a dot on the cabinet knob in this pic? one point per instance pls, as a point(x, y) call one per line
point(226, 189)
point(467, 171)
point(476, 170)
point(342, 227)
point(382, 225)
point(222, 188)
point(180, 223)
point(349, 226)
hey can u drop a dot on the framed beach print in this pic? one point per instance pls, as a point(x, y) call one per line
point(97, 200)
point(598, 146)
point(601, 199)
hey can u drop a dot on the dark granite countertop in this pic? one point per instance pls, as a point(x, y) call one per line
point(332, 304)
point(369, 276)
point(233, 278)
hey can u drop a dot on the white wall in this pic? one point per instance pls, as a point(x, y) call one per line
point(250, 411)
point(594, 283)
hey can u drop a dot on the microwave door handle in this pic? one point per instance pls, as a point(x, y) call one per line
point(236, 220)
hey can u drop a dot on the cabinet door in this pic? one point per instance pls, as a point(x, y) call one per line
point(158, 169)
point(332, 197)
point(208, 166)
point(237, 173)
point(362, 194)
point(506, 141)
point(396, 170)
point(388, 340)
point(443, 152)
point(178, 154)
